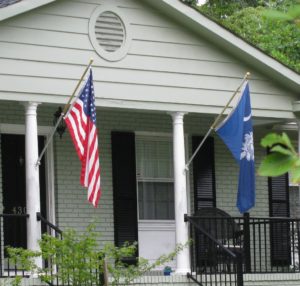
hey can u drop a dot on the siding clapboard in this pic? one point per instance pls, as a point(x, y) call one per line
point(166, 62)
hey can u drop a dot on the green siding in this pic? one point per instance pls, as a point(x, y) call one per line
point(46, 50)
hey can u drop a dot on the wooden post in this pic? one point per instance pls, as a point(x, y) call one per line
point(105, 272)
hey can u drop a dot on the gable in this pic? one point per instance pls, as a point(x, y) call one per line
point(167, 67)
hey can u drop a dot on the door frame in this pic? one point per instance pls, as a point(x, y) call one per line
point(19, 129)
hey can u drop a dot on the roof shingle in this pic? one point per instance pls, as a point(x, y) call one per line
point(4, 3)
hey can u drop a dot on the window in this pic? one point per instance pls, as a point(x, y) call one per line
point(155, 178)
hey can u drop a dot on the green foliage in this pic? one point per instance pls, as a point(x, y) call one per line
point(12, 282)
point(79, 259)
point(282, 158)
point(76, 255)
point(190, 2)
point(221, 9)
point(124, 274)
point(17, 281)
point(291, 15)
point(255, 24)
point(22, 257)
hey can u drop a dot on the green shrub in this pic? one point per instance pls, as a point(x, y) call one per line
point(80, 261)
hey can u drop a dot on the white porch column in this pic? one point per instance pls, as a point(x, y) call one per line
point(32, 178)
point(183, 257)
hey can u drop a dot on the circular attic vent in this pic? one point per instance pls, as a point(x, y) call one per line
point(109, 33)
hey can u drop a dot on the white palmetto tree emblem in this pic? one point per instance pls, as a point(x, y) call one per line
point(248, 148)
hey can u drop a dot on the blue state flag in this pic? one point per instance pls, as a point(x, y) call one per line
point(237, 133)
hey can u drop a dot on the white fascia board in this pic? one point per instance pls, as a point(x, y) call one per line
point(21, 7)
point(233, 44)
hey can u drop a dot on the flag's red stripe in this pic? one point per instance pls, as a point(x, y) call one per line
point(79, 134)
point(70, 127)
point(92, 165)
point(98, 195)
point(93, 174)
point(94, 168)
point(95, 187)
point(95, 195)
point(79, 118)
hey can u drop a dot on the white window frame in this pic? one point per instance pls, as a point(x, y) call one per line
point(158, 138)
point(161, 135)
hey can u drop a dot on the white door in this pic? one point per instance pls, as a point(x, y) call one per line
point(156, 225)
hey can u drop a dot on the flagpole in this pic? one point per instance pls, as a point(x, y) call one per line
point(212, 127)
point(63, 113)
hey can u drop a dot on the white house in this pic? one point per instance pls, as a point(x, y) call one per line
point(162, 73)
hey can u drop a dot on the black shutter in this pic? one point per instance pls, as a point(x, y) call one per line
point(279, 230)
point(124, 187)
point(204, 174)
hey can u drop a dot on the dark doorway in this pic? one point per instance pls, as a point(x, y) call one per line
point(14, 188)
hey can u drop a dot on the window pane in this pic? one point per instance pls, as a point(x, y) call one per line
point(156, 200)
point(154, 158)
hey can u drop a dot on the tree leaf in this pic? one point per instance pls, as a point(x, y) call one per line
point(295, 175)
point(277, 15)
point(282, 150)
point(275, 139)
point(270, 139)
point(286, 141)
point(294, 11)
point(276, 164)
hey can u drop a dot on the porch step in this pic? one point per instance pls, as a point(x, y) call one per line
point(272, 279)
point(143, 281)
point(276, 279)
point(161, 280)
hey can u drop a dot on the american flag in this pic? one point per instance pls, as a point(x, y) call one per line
point(81, 122)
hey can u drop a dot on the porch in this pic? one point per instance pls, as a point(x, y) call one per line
point(229, 248)
point(227, 251)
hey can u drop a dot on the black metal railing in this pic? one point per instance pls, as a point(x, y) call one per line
point(52, 230)
point(214, 261)
point(48, 227)
point(273, 245)
point(12, 234)
point(263, 245)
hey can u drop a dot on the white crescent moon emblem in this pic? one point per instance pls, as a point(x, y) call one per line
point(247, 117)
